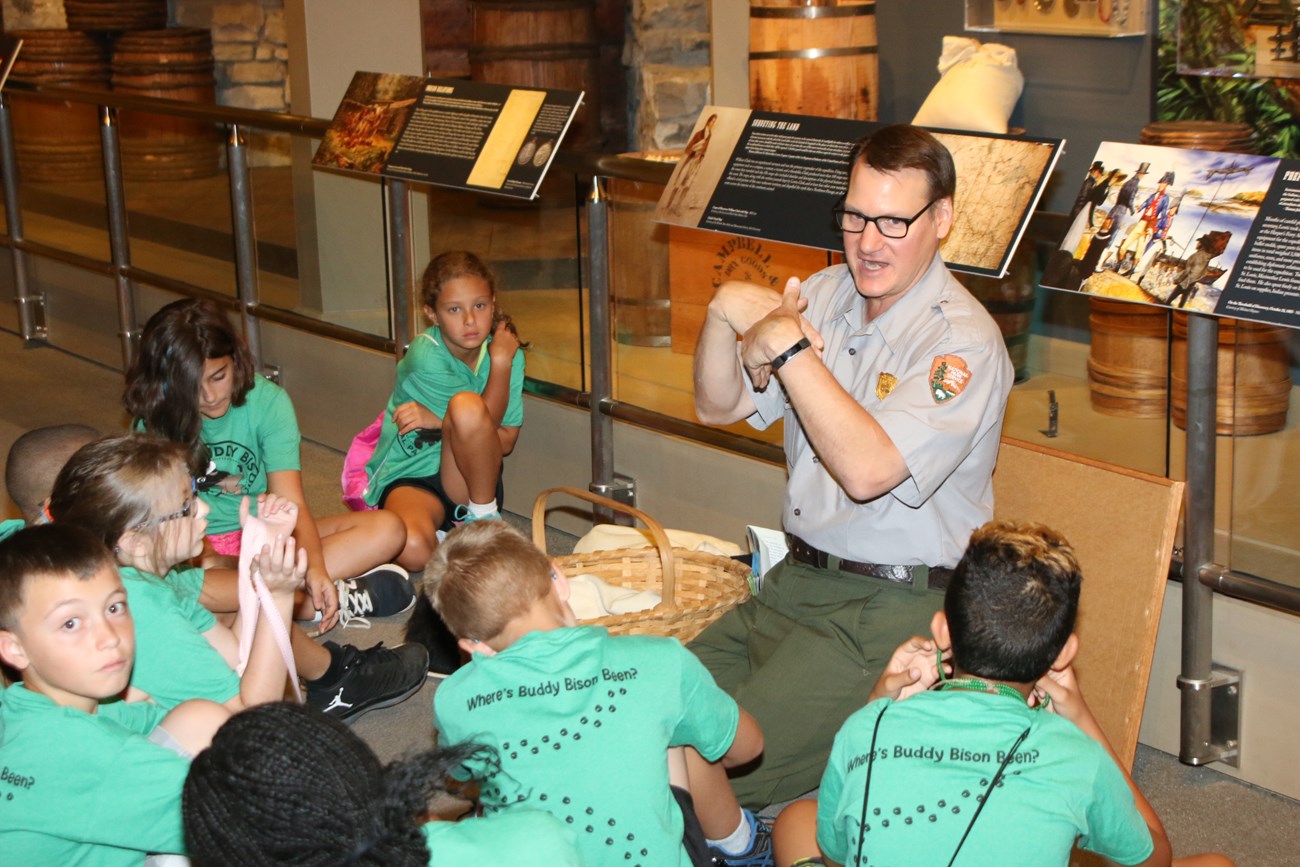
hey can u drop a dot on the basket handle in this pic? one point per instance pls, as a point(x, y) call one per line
point(667, 566)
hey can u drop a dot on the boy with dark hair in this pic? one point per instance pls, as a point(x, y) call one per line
point(88, 778)
point(583, 721)
point(33, 463)
point(1003, 762)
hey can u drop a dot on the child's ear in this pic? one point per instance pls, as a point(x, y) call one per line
point(939, 629)
point(133, 544)
point(560, 583)
point(1067, 654)
point(428, 313)
point(12, 652)
point(473, 646)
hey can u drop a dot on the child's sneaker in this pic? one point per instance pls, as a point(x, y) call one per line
point(760, 850)
point(384, 591)
point(372, 678)
point(462, 515)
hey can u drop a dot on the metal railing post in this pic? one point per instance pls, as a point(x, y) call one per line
point(119, 233)
point(602, 391)
point(397, 212)
point(242, 229)
point(1196, 678)
point(32, 330)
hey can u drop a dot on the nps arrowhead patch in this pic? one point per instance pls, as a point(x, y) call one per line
point(949, 376)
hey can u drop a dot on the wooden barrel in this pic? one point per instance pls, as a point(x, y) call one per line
point(638, 260)
point(1254, 384)
point(168, 64)
point(1204, 135)
point(819, 60)
point(541, 43)
point(115, 15)
point(58, 141)
point(1129, 362)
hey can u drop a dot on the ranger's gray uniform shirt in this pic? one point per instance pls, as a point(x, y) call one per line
point(950, 445)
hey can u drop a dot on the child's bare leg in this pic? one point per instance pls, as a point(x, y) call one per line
point(354, 542)
point(311, 659)
point(794, 834)
point(421, 513)
point(193, 723)
point(715, 803)
point(471, 450)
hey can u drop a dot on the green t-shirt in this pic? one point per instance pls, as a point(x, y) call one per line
point(430, 375)
point(85, 790)
point(935, 756)
point(522, 838)
point(8, 528)
point(582, 722)
point(173, 661)
point(249, 441)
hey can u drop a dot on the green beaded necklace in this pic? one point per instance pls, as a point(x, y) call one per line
point(974, 684)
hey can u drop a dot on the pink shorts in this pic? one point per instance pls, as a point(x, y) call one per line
point(227, 543)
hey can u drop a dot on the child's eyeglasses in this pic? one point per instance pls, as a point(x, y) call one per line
point(184, 512)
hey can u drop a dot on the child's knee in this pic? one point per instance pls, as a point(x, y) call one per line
point(191, 724)
point(467, 408)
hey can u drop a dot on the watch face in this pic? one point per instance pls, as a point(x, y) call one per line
point(543, 153)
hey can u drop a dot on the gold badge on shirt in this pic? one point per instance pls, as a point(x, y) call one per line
point(885, 384)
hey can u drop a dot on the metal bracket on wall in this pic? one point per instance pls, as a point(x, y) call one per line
point(1225, 714)
point(621, 489)
point(33, 305)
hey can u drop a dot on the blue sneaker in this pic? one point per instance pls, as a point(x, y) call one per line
point(384, 591)
point(760, 850)
point(463, 516)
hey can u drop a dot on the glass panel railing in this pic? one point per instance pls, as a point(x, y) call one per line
point(1258, 390)
point(533, 248)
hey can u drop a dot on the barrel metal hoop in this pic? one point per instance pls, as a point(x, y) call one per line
point(812, 11)
point(814, 53)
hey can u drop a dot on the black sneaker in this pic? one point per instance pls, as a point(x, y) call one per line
point(428, 630)
point(372, 678)
point(384, 591)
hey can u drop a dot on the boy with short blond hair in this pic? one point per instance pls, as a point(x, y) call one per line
point(583, 722)
point(89, 779)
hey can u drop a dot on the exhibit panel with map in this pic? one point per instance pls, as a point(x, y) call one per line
point(748, 172)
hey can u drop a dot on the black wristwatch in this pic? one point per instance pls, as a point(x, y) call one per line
point(780, 360)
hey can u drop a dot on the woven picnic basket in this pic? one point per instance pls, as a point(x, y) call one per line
point(696, 588)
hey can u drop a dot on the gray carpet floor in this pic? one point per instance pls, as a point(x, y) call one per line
point(1203, 810)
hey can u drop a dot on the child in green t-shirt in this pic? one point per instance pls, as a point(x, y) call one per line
point(269, 767)
point(88, 778)
point(1001, 763)
point(586, 724)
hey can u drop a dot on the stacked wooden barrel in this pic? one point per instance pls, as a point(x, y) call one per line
point(544, 43)
point(175, 64)
point(123, 45)
point(58, 140)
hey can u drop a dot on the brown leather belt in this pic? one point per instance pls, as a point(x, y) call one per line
point(802, 552)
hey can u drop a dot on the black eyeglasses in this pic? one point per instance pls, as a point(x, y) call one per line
point(184, 512)
point(891, 227)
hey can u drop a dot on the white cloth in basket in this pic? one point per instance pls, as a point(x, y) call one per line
point(591, 597)
point(611, 537)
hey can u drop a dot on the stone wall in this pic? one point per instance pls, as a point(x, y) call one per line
point(668, 55)
point(251, 50)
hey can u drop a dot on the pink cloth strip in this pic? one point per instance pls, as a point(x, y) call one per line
point(255, 599)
